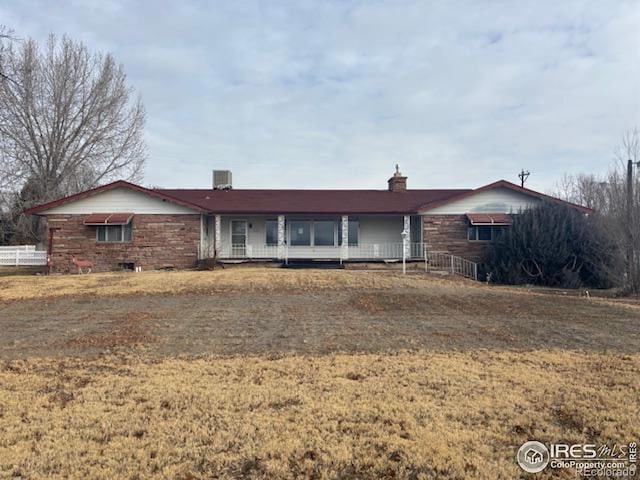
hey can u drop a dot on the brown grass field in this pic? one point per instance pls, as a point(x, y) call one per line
point(218, 281)
point(253, 373)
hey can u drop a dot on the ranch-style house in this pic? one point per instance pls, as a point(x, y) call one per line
point(123, 225)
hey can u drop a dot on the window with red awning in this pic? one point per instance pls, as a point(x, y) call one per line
point(498, 219)
point(108, 219)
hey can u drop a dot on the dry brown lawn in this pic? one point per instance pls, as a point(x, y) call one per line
point(230, 280)
point(424, 413)
point(418, 415)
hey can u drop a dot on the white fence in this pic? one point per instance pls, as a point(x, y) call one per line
point(22, 255)
point(11, 248)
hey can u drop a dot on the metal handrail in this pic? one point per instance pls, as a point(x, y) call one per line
point(450, 263)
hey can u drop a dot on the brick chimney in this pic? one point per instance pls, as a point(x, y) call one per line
point(398, 183)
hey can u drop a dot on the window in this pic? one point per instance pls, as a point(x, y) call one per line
point(127, 233)
point(353, 233)
point(271, 227)
point(483, 233)
point(300, 232)
point(114, 233)
point(239, 232)
point(416, 229)
point(323, 233)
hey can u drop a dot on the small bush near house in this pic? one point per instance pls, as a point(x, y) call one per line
point(556, 246)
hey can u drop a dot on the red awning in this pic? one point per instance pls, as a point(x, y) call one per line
point(108, 219)
point(489, 218)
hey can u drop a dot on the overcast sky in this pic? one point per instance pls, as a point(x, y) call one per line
point(322, 94)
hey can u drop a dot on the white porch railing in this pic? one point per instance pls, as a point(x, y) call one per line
point(251, 251)
point(385, 251)
point(22, 255)
point(374, 251)
point(452, 264)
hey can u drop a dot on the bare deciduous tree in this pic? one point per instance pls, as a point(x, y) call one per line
point(607, 195)
point(584, 189)
point(68, 122)
point(6, 35)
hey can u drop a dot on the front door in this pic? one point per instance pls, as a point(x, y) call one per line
point(238, 238)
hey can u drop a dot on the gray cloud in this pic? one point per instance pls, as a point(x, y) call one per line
point(333, 94)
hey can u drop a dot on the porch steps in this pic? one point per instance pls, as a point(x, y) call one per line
point(325, 264)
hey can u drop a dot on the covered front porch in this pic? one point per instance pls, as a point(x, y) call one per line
point(312, 237)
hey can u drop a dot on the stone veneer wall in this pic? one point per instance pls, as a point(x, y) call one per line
point(448, 233)
point(158, 241)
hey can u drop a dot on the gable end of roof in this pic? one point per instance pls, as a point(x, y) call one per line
point(511, 186)
point(111, 186)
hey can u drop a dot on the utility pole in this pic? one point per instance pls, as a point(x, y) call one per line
point(523, 175)
point(629, 192)
point(630, 246)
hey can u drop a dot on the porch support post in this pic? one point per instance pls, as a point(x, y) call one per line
point(344, 254)
point(218, 236)
point(281, 240)
point(201, 247)
point(406, 242)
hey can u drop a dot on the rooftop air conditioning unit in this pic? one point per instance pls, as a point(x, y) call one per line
point(222, 180)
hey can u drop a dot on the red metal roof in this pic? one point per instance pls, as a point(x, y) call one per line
point(108, 219)
point(273, 202)
point(489, 218)
point(311, 201)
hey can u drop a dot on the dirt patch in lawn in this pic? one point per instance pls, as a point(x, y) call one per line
point(351, 320)
point(131, 329)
